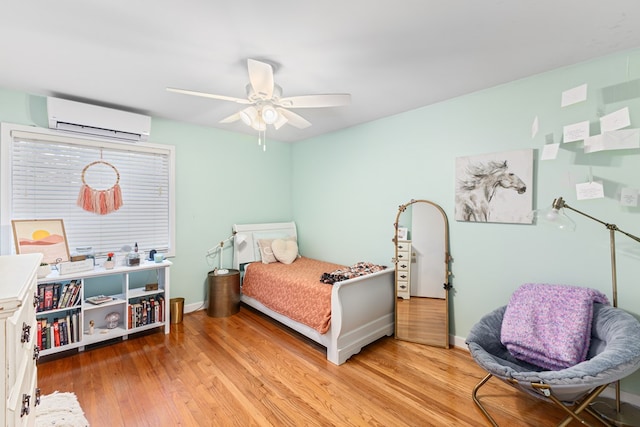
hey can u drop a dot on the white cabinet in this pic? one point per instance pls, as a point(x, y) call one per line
point(135, 299)
point(403, 269)
point(17, 333)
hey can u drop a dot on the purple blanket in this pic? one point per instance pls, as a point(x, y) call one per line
point(550, 325)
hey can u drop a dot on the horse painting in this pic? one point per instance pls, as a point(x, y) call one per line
point(476, 191)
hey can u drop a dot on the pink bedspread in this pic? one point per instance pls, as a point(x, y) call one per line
point(293, 290)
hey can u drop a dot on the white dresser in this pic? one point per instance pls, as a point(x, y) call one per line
point(17, 334)
point(403, 270)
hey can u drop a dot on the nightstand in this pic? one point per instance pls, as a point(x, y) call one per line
point(224, 293)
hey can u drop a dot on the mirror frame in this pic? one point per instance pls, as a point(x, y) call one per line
point(447, 270)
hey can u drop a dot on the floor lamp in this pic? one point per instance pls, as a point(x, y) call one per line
point(619, 413)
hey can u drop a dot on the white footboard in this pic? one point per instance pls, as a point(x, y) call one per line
point(362, 311)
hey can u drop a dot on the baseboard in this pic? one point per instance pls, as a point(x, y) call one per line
point(190, 308)
point(458, 342)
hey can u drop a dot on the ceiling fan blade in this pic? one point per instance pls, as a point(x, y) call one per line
point(294, 119)
point(232, 118)
point(209, 95)
point(316, 101)
point(261, 78)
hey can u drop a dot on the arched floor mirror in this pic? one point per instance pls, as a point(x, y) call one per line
point(422, 263)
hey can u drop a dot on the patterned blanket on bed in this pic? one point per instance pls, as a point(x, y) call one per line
point(550, 325)
point(292, 290)
point(356, 270)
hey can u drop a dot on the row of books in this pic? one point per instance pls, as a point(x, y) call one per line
point(59, 331)
point(52, 296)
point(146, 311)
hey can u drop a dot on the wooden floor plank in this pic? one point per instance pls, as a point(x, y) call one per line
point(247, 370)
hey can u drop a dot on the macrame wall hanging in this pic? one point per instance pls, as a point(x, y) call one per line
point(101, 202)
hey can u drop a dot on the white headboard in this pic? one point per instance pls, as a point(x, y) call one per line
point(248, 251)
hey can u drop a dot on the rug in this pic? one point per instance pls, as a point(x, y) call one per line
point(60, 410)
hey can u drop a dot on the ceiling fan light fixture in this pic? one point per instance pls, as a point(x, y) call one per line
point(259, 125)
point(282, 120)
point(269, 114)
point(249, 115)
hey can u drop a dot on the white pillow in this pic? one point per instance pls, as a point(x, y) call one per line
point(267, 235)
point(285, 251)
point(266, 253)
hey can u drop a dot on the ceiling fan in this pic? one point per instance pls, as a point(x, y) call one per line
point(266, 106)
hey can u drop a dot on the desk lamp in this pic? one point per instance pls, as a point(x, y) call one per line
point(238, 239)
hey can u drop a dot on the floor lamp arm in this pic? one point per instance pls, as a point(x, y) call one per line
point(632, 412)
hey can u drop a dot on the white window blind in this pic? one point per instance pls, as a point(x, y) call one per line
point(46, 176)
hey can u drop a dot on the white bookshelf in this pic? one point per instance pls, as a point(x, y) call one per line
point(126, 286)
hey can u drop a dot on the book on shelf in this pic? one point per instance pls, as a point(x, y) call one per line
point(63, 291)
point(39, 336)
point(48, 296)
point(62, 329)
point(69, 329)
point(66, 293)
point(75, 296)
point(74, 327)
point(99, 299)
point(152, 310)
point(40, 297)
point(45, 334)
point(144, 318)
point(55, 296)
point(56, 333)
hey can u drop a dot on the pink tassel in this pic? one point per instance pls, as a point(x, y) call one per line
point(95, 201)
point(80, 201)
point(109, 199)
point(88, 199)
point(102, 207)
point(117, 197)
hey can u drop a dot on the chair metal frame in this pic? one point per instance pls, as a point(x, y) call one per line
point(545, 390)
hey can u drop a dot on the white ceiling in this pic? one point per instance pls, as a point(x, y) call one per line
point(391, 56)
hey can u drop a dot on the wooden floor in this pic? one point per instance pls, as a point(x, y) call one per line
point(246, 370)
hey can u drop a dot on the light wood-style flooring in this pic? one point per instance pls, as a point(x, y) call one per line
point(247, 370)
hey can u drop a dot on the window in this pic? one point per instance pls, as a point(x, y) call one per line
point(43, 172)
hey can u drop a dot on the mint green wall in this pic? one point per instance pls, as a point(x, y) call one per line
point(222, 178)
point(343, 189)
point(347, 187)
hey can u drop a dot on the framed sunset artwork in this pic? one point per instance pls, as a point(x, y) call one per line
point(45, 236)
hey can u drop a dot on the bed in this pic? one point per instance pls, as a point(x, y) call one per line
point(361, 308)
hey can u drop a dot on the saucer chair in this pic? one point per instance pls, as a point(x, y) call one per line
point(614, 353)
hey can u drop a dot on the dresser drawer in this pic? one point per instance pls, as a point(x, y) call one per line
point(404, 246)
point(21, 401)
point(403, 265)
point(21, 340)
point(403, 286)
point(403, 256)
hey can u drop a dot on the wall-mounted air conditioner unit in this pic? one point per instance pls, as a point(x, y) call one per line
point(94, 120)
